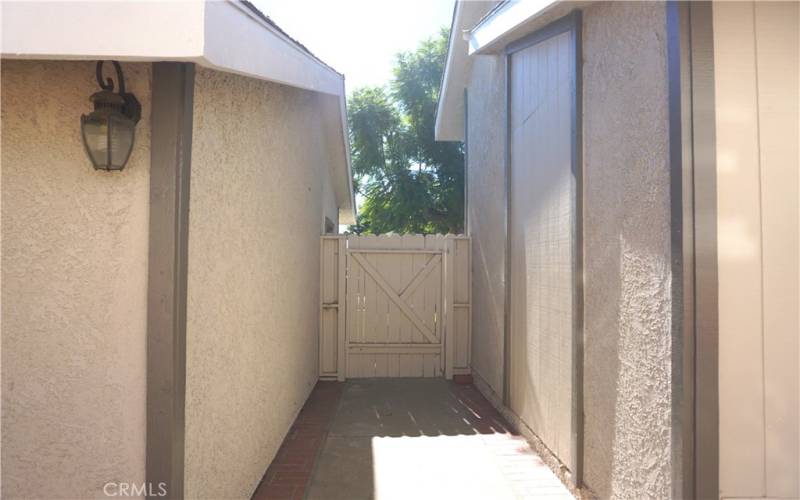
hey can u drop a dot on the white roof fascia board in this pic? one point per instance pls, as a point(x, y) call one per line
point(331, 110)
point(347, 215)
point(449, 125)
point(487, 36)
point(221, 35)
point(238, 41)
point(127, 31)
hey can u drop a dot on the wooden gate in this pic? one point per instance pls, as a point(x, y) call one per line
point(394, 306)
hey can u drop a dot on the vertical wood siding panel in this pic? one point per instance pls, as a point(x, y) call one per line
point(741, 416)
point(777, 56)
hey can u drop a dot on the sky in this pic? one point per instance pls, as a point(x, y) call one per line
point(359, 37)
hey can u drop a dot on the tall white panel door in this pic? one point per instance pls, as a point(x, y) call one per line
point(542, 238)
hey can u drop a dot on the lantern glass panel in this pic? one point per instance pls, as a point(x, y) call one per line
point(95, 138)
point(121, 140)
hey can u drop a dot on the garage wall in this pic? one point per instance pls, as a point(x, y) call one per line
point(74, 289)
point(627, 366)
point(486, 216)
point(756, 78)
point(259, 192)
point(627, 287)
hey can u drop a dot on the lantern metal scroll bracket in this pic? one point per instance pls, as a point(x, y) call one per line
point(132, 108)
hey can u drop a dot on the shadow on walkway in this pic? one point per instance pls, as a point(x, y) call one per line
point(405, 439)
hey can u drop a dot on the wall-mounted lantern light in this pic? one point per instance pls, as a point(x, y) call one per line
point(108, 131)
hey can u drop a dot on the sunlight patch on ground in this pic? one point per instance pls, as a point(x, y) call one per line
point(497, 466)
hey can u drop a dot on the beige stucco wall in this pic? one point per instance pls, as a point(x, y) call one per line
point(74, 289)
point(259, 191)
point(627, 283)
point(626, 244)
point(486, 215)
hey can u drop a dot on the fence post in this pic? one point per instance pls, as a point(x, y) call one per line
point(341, 329)
point(449, 311)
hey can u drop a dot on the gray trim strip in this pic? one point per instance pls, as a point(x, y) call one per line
point(569, 23)
point(466, 162)
point(706, 386)
point(578, 317)
point(170, 165)
point(695, 450)
point(506, 237)
point(677, 67)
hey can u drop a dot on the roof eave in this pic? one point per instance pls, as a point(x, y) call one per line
point(347, 214)
point(506, 22)
point(225, 36)
point(222, 35)
point(261, 50)
point(449, 125)
point(514, 19)
point(492, 32)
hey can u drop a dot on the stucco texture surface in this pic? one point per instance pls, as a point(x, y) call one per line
point(74, 289)
point(260, 188)
point(627, 366)
point(486, 215)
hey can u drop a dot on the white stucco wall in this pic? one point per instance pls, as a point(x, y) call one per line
point(260, 189)
point(74, 289)
point(486, 215)
point(627, 283)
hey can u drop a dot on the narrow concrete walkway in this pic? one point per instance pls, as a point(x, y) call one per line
point(419, 439)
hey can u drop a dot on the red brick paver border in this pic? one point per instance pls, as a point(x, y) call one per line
point(290, 472)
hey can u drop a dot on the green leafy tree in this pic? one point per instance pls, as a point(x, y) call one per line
point(409, 182)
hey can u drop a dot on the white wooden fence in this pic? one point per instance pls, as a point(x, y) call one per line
point(395, 306)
